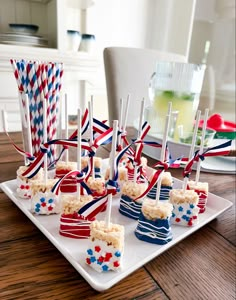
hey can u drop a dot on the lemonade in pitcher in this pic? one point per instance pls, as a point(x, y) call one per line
point(179, 83)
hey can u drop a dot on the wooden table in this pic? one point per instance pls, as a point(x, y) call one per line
point(201, 266)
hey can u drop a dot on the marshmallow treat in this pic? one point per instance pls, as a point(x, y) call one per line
point(201, 188)
point(72, 224)
point(43, 201)
point(23, 184)
point(69, 184)
point(105, 247)
point(154, 222)
point(185, 203)
point(166, 187)
point(128, 206)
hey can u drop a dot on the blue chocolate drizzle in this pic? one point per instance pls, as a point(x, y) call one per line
point(155, 232)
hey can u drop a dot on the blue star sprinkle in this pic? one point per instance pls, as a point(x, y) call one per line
point(90, 251)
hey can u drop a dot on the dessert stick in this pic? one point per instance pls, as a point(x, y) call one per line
point(112, 161)
point(66, 128)
point(191, 152)
point(120, 119)
point(106, 244)
point(154, 219)
point(90, 106)
point(29, 137)
point(45, 140)
point(139, 132)
point(78, 147)
point(202, 144)
point(126, 115)
point(201, 188)
point(163, 149)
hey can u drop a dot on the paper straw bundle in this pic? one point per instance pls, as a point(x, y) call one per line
point(39, 81)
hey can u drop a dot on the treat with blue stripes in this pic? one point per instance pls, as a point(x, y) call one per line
point(129, 206)
point(166, 187)
point(154, 222)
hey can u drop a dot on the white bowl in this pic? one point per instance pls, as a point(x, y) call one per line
point(23, 28)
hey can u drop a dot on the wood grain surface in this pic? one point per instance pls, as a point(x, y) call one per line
point(202, 266)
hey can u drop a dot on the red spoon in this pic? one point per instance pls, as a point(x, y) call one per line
point(217, 123)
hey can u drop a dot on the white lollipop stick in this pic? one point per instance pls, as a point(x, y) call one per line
point(141, 116)
point(90, 107)
point(66, 126)
point(202, 144)
point(29, 137)
point(139, 132)
point(45, 140)
point(192, 145)
point(78, 147)
point(162, 157)
point(166, 131)
point(112, 161)
point(120, 118)
point(126, 113)
point(163, 149)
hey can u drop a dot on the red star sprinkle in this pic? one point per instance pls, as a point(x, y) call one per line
point(43, 204)
point(177, 220)
point(88, 261)
point(50, 208)
point(190, 223)
point(101, 259)
point(97, 248)
point(194, 217)
point(116, 264)
point(27, 187)
point(108, 256)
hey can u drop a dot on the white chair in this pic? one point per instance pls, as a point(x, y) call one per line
point(128, 71)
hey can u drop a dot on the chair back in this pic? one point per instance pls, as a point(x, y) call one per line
point(128, 71)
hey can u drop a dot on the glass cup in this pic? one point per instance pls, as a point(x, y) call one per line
point(179, 83)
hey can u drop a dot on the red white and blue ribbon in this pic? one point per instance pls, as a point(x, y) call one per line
point(103, 139)
point(92, 208)
point(117, 160)
point(151, 184)
point(79, 177)
point(34, 167)
point(219, 150)
point(99, 127)
point(30, 158)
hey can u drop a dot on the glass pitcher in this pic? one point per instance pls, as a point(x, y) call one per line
point(181, 84)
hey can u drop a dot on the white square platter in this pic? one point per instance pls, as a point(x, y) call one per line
point(137, 253)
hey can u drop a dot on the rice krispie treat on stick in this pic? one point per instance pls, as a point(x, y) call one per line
point(72, 224)
point(122, 177)
point(97, 186)
point(166, 186)
point(154, 222)
point(130, 207)
point(69, 184)
point(201, 188)
point(97, 165)
point(185, 205)
point(106, 246)
point(44, 201)
point(24, 184)
point(130, 168)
